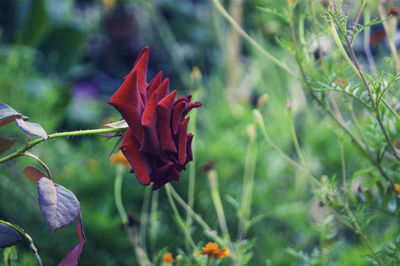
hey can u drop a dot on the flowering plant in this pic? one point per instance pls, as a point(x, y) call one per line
point(156, 143)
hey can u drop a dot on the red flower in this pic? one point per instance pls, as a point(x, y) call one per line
point(156, 143)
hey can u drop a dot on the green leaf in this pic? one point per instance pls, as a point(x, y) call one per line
point(36, 23)
point(10, 254)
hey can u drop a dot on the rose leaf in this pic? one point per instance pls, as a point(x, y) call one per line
point(72, 257)
point(6, 144)
point(58, 205)
point(34, 129)
point(8, 236)
point(119, 124)
point(34, 174)
point(7, 114)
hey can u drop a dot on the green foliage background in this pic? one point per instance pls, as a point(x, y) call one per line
point(44, 54)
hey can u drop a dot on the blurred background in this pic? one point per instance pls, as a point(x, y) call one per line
point(60, 62)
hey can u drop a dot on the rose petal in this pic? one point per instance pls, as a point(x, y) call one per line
point(182, 140)
point(163, 89)
point(164, 120)
point(173, 175)
point(150, 141)
point(189, 152)
point(177, 114)
point(160, 173)
point(153, 85)
point(128, 102)
point(130, 148)
point(141, 68)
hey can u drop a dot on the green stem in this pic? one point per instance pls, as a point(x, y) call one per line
point(27, 237)
point(248, 183)
point(260, 122)
point(153, 221)
point(253, 42)
point(30, 145)
point(296, 141)
point(144, 216)
point(118, 194)
point(195, 216)
point(131, 229)
point(219, 209)
point(179, 219)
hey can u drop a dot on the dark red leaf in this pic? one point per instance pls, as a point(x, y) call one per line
point(34, 174)
point(6, 144)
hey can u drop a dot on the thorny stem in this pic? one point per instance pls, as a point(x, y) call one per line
point(27, 237)
point(35, 142)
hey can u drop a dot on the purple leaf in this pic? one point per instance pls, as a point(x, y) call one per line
point(7, 114)
point(34, 174)
point(34, 129)
point(72, 257)
point(6, 143)
point(8, 236)
point(58, 205)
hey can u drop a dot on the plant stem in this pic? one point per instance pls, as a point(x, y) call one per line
point(22, 232)
point(195, 216)
point(248, 183)
point(219, 209)
point(39, 161)
point(118, 195)
point(260, 122)
point(296, 142)
point(143, 217)
point(153, 221)
point(253, 42)
point(35, 142)
point(179, 219)
point(131, 229)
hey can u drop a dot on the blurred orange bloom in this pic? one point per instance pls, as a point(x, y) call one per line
point(212, 249)
point(397, 188)
point(167, 257)
point(119, 158)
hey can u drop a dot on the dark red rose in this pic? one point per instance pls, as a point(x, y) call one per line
point(156, 143)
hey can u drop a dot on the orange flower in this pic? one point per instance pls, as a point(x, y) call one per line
point(397, 188)
point(167, 258)
point(212, 249)
point(119, 158)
